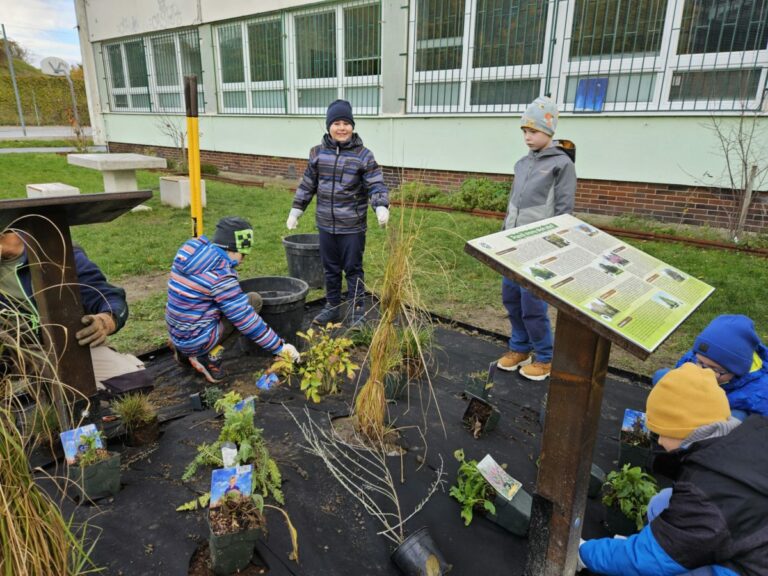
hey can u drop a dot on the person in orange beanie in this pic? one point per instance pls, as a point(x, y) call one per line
point(714, 520)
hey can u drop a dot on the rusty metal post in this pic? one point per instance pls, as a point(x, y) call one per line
point(573, 411)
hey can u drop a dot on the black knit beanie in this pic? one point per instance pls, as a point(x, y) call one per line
point(339, 110)
point(234, 234)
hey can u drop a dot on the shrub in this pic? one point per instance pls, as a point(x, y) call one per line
point(481, 193)
point(211, 169)
point(415, 192)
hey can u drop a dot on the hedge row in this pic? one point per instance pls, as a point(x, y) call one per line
point(51, 94)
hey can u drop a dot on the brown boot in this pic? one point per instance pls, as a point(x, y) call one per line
point(512, 360)
point(536, 371)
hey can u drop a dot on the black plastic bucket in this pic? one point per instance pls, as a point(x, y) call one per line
point(417, 552)
point(302, 251)
point(283, 307)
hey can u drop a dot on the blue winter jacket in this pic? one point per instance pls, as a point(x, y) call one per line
point(96, 294)
point(717, 515)
point(748, 392)
point(346, 178)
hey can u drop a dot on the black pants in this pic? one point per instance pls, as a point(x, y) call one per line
point(343, 252)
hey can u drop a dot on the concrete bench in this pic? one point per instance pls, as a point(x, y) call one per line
point(118, 170)
point(174, 191)
point(51, 189)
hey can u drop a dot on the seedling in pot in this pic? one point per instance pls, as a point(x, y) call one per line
point(94, 471)
point(139, 418)
point(626, 494)
point(471, 490)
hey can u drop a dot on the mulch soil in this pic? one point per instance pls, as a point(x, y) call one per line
point(139, 531)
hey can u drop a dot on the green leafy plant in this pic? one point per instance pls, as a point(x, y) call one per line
point(211, 395)
point(630, 489)
point(92, 453)
point(239, 428)
point(211, 169)
point(134, 410)
point(481, 193)
point(326, 359)
point(471, 490)
point(415, 192)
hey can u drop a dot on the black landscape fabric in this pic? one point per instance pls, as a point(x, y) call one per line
point(140, 533)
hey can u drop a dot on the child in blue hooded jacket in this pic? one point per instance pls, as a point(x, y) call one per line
point(731, 348)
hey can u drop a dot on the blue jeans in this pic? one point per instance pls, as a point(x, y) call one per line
point(343, 252)
point(531, 329)
point(656, 506)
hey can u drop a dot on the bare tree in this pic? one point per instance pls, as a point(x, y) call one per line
point(174, 127)
point(744, 148)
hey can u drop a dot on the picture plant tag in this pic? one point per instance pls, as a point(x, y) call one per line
point(497, 477)
point(235, 480)
point(73, 441)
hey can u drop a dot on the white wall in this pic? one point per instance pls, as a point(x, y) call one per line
point(674, 150)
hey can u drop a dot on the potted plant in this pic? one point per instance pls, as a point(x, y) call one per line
point(138, 417)
point(471, 490)
point(634, 440)
point(326, 360)
point(481, 416)
point(206, 399)
point(92, 470)
point(626, 494)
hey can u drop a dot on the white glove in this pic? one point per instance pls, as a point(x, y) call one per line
point(293, 218)
point(290, 351)
point(382, 215)
point(579, 564)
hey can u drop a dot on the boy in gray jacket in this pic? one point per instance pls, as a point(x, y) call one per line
point(544, 186)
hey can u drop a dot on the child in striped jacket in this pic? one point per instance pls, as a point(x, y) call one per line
point(206, 304)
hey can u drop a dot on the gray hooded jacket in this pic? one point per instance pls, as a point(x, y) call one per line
point(544, 186)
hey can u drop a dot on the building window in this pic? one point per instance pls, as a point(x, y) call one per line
point(476, 56)
point(723, 26)
point(715, 85)
point(147, 74)
point(336, 53)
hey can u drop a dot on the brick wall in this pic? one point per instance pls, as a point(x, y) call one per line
point(664, 202)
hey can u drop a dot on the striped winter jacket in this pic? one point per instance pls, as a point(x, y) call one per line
point(202, 287)
point(346, 178)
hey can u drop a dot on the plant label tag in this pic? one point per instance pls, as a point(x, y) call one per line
point(267, 380)
point(634, 430)
point(250, 401)
point(72, 441)
point(497, 477)
point(236, 480)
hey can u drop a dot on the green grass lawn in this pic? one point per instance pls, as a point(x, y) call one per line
point(451, 283)
point(40, 143)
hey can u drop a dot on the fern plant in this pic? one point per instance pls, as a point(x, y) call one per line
point(240, 429)
point(630, 490)
point(472, 490)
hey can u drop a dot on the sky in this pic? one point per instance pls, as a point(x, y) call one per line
point(44, 27)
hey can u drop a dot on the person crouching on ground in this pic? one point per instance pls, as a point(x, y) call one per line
point(544, 186)
point(714, 520)
point(346, 179)
point(731, 348)
point(206, 304)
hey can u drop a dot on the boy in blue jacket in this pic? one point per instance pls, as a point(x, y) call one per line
point(714, 519)
point(731, 348)
point(544, 186)
point(346, 179)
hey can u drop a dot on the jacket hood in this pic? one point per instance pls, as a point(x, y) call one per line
point(354, 142)
point(548, 151)
point(198, 255)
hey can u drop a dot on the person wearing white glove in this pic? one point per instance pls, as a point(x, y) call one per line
point(382, 215)
point(290, 351)
point(293, 218)
point(346, 179)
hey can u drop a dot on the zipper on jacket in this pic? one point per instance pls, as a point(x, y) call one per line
point(333, 191)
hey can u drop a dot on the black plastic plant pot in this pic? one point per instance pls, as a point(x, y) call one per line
point(481, 416)
point(634, 456)
point(513, 515)
point(196, 401)
point(98, 480)
point(417, 552)
point(477, 388)
point(231, 553)
point(617, 523)
point(395, 385)
point(596, 481)
point(145, 434)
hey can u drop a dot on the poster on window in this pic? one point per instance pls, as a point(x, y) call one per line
point(633, 294)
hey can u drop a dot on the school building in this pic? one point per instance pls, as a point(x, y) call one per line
point(651, 91)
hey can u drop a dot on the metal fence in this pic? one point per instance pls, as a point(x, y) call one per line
point(147, 74)
point(591, 55)
point(298, 62)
